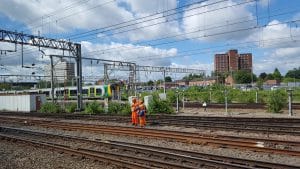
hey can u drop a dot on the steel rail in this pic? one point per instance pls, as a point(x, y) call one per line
point(71, 151)
point(195, 138)
point(201, 159)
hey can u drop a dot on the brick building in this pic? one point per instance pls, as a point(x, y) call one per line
point(232, 61)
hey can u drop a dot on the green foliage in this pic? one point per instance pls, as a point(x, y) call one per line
point(5, 86)
point(259, 83)
point(94, 108)
point(242, 77)
point(270, 76)
point(263, 76)
point(150, 83)
point(289, 79)
point(43, 84)
point(277, 74)
point(168, 79)
point(295, 73)
point(50, 108)
point(126, 109)
point(171, 96)
point(70, 108)
point(276, 101)
point(193, 77)
point(246, 96)
point(159, 106)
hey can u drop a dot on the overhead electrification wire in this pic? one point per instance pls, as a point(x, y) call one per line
point(53, 13)
point(228, 32)
point(76, 12)
point(111, 27)
point(104, 51)
point(206, 5)
point(79, 36)
point(275, 24)
point(173, 9)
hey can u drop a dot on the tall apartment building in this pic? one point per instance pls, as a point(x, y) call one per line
point(63, 71)
point(232, 61)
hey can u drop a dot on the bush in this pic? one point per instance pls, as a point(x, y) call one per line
point(114, 108)
point(50, 108)
point(119, 108)
point(70, 108)
point(160, 106)
point(94, 108)
point(126, 109)
point(276, 101)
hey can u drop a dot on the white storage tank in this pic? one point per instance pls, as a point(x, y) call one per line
point(21, 102)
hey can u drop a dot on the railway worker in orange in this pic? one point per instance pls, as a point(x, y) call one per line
point(134, 112)
point(142, 114)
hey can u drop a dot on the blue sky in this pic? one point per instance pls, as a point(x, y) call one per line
point(185, 33)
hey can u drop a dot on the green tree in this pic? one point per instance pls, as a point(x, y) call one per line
point(168, 79)
point(295, 73)
point(5, 86)
point(242, 77)
point(263, 75)
point(193, 77)
point(150, 83)
point(277, 74)
point(270, 76)
point(43, 84)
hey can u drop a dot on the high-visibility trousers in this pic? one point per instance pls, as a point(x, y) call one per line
point(142, 121)
point(134, 118)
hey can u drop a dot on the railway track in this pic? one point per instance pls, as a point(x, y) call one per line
point(134, 155)
point(286, 126)
point(245, 143)
point(234, 105)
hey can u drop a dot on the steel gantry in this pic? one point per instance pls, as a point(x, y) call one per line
point(38, 41)
point(134, 68)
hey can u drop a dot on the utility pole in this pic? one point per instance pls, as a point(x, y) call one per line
point(290, 101)
point(226, 104)
point(52, 79)
point(79, 76)
point(177, 101)
point(164, 72)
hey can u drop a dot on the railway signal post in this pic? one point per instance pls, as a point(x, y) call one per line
point(290, 94)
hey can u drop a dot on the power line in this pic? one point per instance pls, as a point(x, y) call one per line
point(75, 36)
point(186, 16)
point(55, 12)
point(173, 36)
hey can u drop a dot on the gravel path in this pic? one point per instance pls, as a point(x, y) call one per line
point(275, 158)
point(15, 155)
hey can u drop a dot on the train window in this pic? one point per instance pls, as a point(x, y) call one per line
point(85, 91)
point(73, 92)
point(61, 92)
point(99, 91)
point(92, 90)
point(46, 93)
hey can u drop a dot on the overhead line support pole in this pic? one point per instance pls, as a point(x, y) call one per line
point(79, 76)
point(52, 79)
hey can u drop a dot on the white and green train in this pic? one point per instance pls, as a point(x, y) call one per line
point(89, 92)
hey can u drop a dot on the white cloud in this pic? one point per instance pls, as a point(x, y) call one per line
point(149, 7)
point(277, 35)
point(82, 15)
point(142, 55)
point(210, 20)
point(91, 15)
